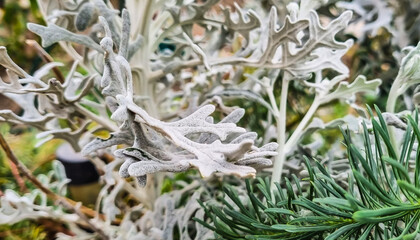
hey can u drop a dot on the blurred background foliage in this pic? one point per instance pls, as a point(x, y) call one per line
point(14, 15)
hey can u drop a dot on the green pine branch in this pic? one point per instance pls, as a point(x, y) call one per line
point(381, 202)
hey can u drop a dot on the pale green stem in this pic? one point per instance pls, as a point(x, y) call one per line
point(293, 140)
point(281, 132)
point(393, 96)
point(144, 23)
point(144, 87)
point(102, 121)
point(273, 102)
point(153, 187)
point(390, 107)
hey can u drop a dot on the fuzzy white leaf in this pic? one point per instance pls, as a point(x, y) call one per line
point(346, 90)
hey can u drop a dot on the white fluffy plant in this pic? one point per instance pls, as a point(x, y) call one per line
point(194, 141)
point(297, 50)
point(146, 87)
point(125, 68)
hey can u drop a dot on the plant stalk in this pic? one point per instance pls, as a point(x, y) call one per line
point(281, 132)
point(102, 121)
point(393, 96)
point(46, 58)
point(390, 107)
point(17, 177)
point(302, 125)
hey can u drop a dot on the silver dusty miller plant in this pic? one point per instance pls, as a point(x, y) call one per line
point(156, 146)
point(127, 73)
point(157, 75)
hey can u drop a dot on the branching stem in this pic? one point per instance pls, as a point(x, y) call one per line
point(285, 145)
point(390, 107)
point(17, 176)
point(302, 125)
point(281, 130)
point(392, 97)
point(102, 121)
point(46, 58)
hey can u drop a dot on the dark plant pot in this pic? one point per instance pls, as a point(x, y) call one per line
point(84, 185)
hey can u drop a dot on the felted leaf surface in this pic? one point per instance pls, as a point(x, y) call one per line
point(39, 122)
point(245, 94)
point(58, 89)
point(8, 63)
point(373, 14)
point(321, 51)
point(122, 137)
point(244, 23)
point(53, 33)
point(231, 157)
point(349, 121)
point(409, 73)
point(346, 90)
point(155, 225)
point(286, 48)
point(85, 17)
point(180, 150)
point(72, 137)
point(288, 33)
point(42, 103)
